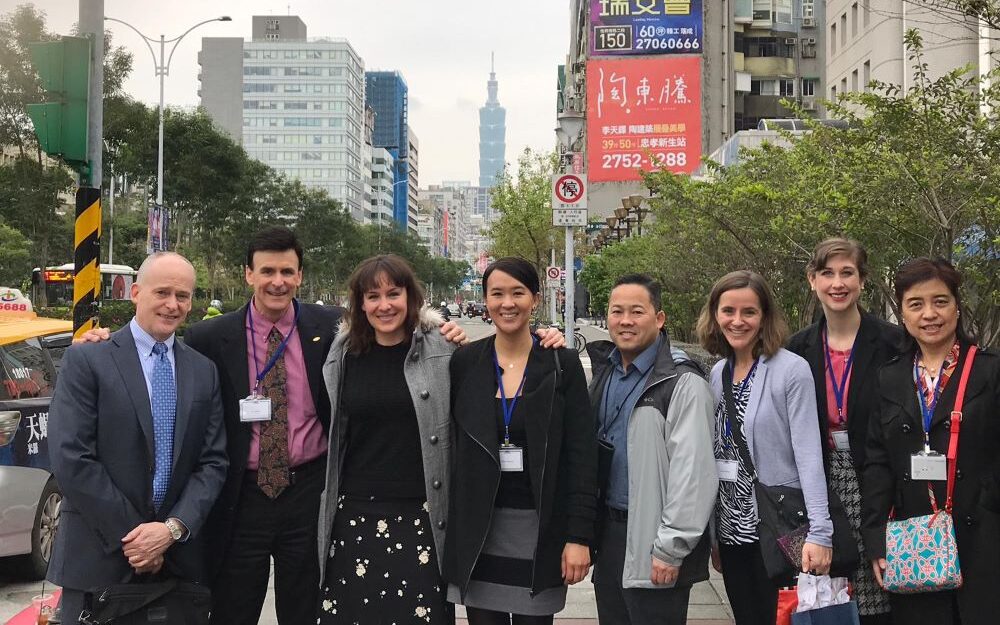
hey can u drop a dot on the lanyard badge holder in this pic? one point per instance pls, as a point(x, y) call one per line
point(257, 407)
point(729, 470)
point(511, 456)
point(841, 442)
point(927, 464)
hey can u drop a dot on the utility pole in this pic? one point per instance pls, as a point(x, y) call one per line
point(92, 24)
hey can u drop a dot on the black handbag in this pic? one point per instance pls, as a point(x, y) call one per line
point(783, 521)
point(170, 602)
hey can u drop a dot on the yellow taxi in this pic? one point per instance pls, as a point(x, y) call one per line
point(31, 348)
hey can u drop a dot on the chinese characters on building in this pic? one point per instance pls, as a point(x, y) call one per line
point(643, 114)
point(640, 27)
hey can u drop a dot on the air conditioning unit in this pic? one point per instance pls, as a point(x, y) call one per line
point(809, 41)
point(790, 41)
point(809, 22)
point(809, 104)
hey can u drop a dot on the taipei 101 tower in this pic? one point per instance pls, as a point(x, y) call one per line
point(492, 134)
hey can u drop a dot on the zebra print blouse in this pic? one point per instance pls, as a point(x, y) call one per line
point(735, 513)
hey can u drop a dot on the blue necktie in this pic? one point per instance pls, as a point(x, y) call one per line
point(164, 412)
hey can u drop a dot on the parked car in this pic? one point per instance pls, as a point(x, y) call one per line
point(31, 349)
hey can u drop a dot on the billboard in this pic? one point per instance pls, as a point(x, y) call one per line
point(642, 114)
point(621, 27)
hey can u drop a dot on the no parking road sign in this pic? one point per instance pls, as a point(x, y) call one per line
point(569, 200)
point(553, 277)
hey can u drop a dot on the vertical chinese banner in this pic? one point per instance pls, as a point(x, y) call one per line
point(643, 114)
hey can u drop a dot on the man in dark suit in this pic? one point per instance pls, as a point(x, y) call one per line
point(137, 445)
point(269, 506)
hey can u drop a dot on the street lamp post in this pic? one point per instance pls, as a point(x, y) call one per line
point(162, 69)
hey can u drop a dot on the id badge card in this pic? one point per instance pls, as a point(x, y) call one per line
point(729, 470)
point(840, 440)
point(928, 466)
point(511, 458)
point(254, 408)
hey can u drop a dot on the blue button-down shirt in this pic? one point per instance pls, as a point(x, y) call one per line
point(144, 345)
point(622, 392)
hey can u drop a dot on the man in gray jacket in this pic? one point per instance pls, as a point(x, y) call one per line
point(654, 407)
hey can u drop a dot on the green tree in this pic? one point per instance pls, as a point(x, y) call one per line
point(15, 257)
point(524, 203)
point(913, 174)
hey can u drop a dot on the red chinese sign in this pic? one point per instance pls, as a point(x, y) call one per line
point(643, 114)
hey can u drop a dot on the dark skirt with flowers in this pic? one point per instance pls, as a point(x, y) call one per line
point(383, 566)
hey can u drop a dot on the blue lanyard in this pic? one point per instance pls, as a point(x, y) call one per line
point(261, 374)
point(839, 386)
point(739, 393)
point(927, 410)
point(508, 407)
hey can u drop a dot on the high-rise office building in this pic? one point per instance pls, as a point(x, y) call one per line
point(492, 133)
point(386, 92)
point(295, 104)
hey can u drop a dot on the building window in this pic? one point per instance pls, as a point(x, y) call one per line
point(833, 39)
point(843, 30)
point(833, 93)
point(314, 54)
point(295, 106)
point(866, 13)
point(808, 46)
point(808, 9)
point(854, 80)
point(783, 11)
point(786, 87)
point(867, 75)
point(764, 87)
point(760, 46)
point(854, 20)
point(809, 86)
point(762, 10)
point(843, 85)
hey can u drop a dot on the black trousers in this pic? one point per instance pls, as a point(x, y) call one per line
point(752, 595)
point(632, 606)
point(285, 529)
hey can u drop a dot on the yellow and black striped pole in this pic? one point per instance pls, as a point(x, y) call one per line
point(86, 260)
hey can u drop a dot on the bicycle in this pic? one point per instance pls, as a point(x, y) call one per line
point(579, 341)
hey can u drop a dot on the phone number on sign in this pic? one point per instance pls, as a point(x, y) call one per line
point(659, 159)
point(672, 43)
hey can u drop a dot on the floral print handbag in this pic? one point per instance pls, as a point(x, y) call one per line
point(921, 552)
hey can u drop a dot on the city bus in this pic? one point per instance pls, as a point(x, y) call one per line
point(116, 282)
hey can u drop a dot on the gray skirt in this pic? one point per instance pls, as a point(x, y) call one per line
point(501, 579)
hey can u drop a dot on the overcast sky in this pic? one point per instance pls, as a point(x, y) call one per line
point(442, 48)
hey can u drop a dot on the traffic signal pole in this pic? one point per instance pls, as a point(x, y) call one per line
point(87, 231)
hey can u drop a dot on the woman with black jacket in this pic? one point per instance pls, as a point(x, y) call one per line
point(917, 393)
point(845, 350)
point(524, 478)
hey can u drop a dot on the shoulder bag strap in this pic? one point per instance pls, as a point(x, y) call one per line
point(737, 432)
point(956, 424)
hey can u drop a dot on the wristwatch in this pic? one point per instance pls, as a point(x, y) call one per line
point(175, 527)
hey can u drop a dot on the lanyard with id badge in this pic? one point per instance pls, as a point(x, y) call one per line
point(511, 456)
point(257, 407)
point(840, 438)
point(927, 464)
point(729, 470)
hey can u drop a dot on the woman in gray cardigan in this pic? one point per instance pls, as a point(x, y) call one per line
point(775, 401)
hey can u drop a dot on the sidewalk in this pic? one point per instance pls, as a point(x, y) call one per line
point(708, 603)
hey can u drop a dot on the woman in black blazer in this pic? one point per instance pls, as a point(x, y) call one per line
point(847, 334)
point(932, 364)
point(524, 488)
